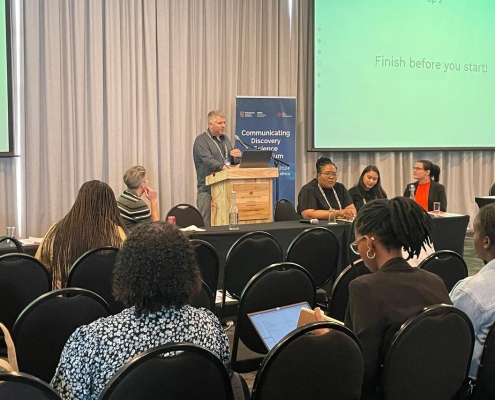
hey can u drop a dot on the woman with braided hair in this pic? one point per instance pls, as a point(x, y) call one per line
point(93, 221)
point(380, 302)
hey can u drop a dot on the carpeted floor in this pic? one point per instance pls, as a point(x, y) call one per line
point(473, 262)
point(474, 265)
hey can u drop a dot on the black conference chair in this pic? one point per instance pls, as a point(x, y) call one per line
point(448, 265)
point(340, 289)
point(429, 357)
point(94, 271)
point(21, 386)
point(22, 279)
point(277, 285)
point(484, 388)
point(186, 215)
point(208, 261)
point(204, 298)
point(191, 372)
point(317, 250)
point(43, 328)
point(306, 366)
point(14, 242)
point(246, 257)
point(285, 211)
point(491, 192)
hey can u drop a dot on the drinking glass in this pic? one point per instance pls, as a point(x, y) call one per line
point(436, 208)
point(331, 216)
point(11, 233)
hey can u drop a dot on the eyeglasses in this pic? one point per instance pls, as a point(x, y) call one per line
point(418, 169)
point(328, 173)
point(354, 245)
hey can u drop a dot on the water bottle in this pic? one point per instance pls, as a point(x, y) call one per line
point(233, 214)
point(412, 189)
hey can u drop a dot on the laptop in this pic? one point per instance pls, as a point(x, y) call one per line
point(272, 325)
point(255, 159)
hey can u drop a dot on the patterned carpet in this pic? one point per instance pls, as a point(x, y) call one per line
point(474, 265)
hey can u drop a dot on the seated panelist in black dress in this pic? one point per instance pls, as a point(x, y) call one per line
point(368, 188)
point(324, 192)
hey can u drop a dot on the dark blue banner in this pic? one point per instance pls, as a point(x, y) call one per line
point(269, 123)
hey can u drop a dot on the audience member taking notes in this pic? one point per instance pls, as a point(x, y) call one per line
point(427, 188)
point(155, 275)
point(324, 192)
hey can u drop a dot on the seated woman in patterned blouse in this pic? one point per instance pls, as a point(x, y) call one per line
point(155, 275)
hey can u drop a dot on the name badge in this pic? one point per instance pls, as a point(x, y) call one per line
point(226, 161)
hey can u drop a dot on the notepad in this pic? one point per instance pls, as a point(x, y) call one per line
point(273, 324)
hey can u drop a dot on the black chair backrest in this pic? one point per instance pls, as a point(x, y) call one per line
point(340, 289)
point(429, 357)
point(491, 192)
point(43, 328)
point(485, 382)
point(193, 373)
point(317, 250)
point(94, 271)
point(204, 298)
point(307, 366)
point(277, 285)
point(247, 256)
point(285, 211)
point(186, 215)
point(14, 242)
point(22, 279)
point(448, 265)
point(208, 261)
point(21, 386)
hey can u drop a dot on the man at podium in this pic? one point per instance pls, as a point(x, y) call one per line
point(212, 152)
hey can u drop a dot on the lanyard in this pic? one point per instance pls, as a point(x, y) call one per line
point(325, 197)
point(218, 146)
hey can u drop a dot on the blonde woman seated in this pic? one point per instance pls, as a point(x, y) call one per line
point(93, 221)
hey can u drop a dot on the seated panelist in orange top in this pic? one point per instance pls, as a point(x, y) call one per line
point(427, 188)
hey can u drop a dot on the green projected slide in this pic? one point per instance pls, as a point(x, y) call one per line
point(404, 74)
point(5, 115)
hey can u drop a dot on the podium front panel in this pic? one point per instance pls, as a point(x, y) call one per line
point(254, 194)
point(253, 201)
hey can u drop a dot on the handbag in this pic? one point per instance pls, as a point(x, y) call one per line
point(9, 364)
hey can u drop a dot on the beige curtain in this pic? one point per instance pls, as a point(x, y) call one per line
point(107, 84)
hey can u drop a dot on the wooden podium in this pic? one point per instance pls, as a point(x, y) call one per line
point(254, 194)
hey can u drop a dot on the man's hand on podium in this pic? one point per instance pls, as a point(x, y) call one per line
point(236, 153)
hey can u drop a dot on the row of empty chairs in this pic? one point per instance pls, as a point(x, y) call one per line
point(23, 278)
point(315, 249)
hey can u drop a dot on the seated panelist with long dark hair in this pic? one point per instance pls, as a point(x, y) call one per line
point(316, 197)
point(369, 187)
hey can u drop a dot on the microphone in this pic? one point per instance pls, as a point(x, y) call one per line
point(241, 142)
